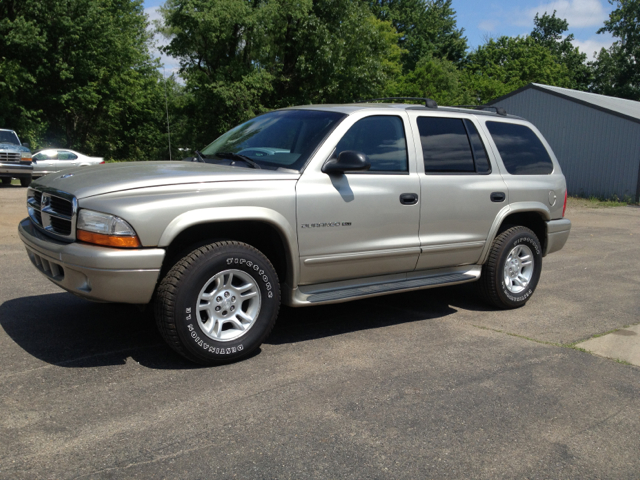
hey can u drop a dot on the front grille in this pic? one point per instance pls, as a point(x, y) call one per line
point(9, 157)
point(62, 206)
point(53, 211)
point(62, 227)
point(50, 269)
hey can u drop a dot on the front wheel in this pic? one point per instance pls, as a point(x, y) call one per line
point(25, 181)
point(511, 273)
point(219, 303)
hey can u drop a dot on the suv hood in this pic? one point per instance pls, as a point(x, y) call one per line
point(115, 177)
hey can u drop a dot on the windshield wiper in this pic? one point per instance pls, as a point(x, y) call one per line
point(200, 157)
point(237, 156)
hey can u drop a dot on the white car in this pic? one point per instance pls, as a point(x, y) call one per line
point(53, 160)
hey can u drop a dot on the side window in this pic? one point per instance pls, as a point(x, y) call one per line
point(382, 139)
point(46, 155)
point(521, 150)
point(452, 145)
point(66, 155)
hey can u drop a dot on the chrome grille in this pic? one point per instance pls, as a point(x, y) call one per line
point(53, 211)
point(9, 156)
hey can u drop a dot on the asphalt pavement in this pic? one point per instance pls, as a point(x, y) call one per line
point(429, 384)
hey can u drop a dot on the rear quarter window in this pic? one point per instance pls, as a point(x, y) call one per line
point(521, 150)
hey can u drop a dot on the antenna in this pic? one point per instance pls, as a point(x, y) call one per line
point(166, 103)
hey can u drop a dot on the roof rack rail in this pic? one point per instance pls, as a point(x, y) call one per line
point(429, 103)
point(499, 110)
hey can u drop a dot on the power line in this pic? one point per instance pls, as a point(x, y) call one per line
point(166, 102)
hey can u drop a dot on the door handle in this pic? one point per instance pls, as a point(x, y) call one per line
point(498, 197)
point(409, 198)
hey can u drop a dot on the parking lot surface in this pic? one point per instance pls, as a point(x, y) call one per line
point(428, 384)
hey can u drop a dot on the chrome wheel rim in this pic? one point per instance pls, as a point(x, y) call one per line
point(228, 305)
point(518, 268)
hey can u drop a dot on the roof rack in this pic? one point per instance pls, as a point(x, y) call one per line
point(499, 110)
point(429, 103)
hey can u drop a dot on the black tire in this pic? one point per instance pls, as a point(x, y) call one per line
point(183, 325)
point(493, 283)
point(6, 180)
point(25, 181)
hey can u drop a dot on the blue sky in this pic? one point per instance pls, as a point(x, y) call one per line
point(482, 19)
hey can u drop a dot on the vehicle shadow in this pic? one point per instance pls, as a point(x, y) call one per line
point(300, 324)
point(67, 331)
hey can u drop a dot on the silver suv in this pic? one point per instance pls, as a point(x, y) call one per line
point(306, 205)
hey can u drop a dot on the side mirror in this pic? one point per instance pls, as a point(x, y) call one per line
point(347, 161)
point(24, 144)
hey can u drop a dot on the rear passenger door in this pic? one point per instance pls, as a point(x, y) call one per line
point(461, 190)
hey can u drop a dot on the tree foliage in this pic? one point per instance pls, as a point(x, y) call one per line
point(508, 63)
point(549, 32)
point(426, 28)
point(617, 70)
point(77, 73)
point(241, 58)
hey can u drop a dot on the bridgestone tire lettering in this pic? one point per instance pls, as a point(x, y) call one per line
point(176, 308)
point(492, 285)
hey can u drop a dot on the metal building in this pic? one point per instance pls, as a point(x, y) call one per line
point(596, 138)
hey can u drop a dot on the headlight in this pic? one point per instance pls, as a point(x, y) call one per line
point(105, 229)
point(25, 156)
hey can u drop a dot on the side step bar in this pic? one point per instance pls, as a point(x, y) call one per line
point(316, 294)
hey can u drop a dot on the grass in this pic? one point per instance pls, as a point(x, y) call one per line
point(600, 202)
point(572, 345)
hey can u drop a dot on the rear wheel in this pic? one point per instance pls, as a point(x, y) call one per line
point(511, 273)
point(219, 303)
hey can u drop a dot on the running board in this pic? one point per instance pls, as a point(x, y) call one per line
point(308, 295)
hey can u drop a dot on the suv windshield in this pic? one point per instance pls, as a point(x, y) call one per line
point(7, 136)
point(283, 138)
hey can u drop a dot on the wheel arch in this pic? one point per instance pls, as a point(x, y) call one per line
point(533, 215)
point(264, 229)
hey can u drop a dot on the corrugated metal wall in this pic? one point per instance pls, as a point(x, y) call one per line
point(599, 153)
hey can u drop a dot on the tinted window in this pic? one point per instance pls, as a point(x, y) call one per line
point(382, 139)
point(521, 150)
point(445, 145)
point(479, 152)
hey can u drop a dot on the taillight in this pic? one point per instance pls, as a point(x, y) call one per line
point(101, 163)
point(564, 208)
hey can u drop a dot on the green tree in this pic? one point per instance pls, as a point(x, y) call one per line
point(242, 58)
point(427, 28)
point(78, 73)
point(435, 78)
point(617, 70)
point(549, 32)
point(508, 63)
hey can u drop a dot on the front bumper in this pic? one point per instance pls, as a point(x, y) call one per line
point(96, 273)
point(557, 234)
point(16, 170)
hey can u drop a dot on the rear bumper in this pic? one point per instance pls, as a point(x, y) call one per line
point(96, 273)
point(557, 234)
point(16, 170)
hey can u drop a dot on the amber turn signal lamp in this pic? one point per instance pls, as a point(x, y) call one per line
point(108, 240)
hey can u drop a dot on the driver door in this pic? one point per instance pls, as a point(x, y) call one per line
point(356, 224)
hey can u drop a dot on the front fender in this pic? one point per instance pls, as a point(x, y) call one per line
point(224, 214)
